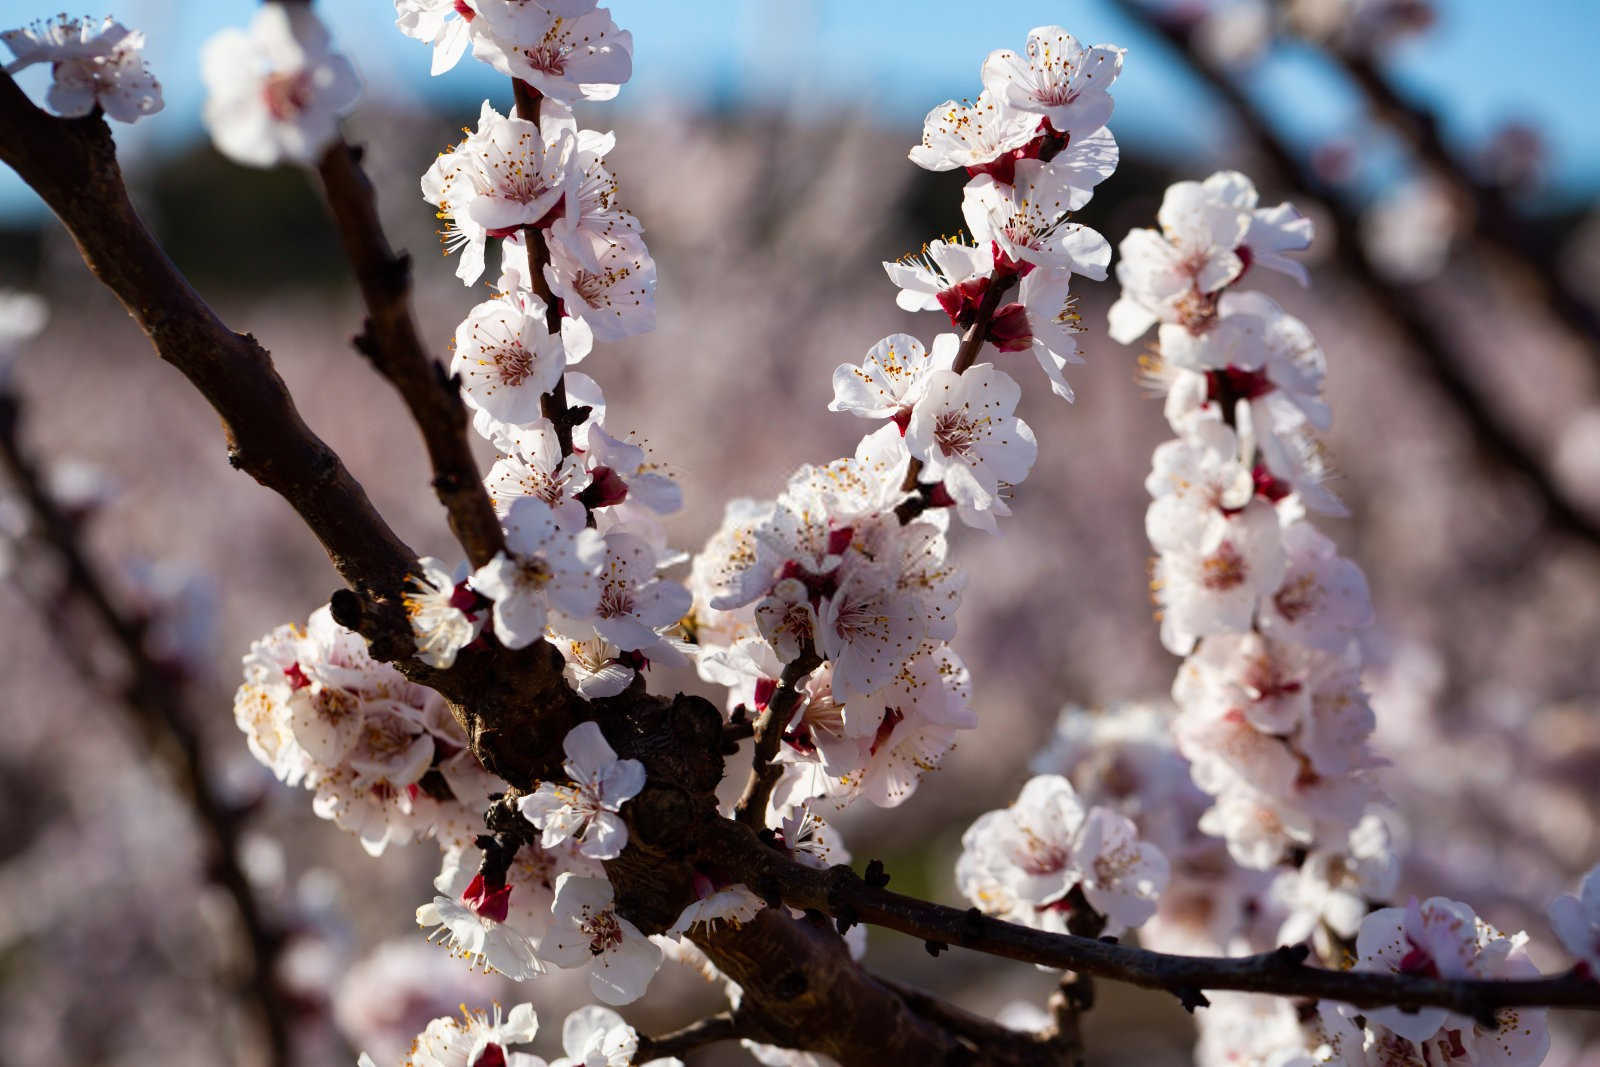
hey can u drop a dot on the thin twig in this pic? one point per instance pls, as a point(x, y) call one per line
point(154, 697)
point(708, 1031)
point(553, 405)
point(389, 338)
point(764, 771)
point(839, 891)
point(1402, 304)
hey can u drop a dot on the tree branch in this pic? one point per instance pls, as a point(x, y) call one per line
point(1494, 218)
point(390, 340)
point(838, 891)
point(1402, 304)
point(154, 698)
point(72, 165)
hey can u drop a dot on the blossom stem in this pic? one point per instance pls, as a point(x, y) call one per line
point(720, 1027)
point(553, 405)
point(764, 773)
point(966, 355)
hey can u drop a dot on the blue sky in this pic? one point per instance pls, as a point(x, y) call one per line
point(1485, 62)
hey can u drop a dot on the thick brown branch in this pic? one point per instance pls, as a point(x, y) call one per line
point(72, 165)
point(154, 697)
point(391, 341)
point(1402, 304)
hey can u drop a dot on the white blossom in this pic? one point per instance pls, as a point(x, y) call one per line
point(1020, 863)
point(445, 24)
point(1057, 78)
point(90, 66)
point(531, 464)
point(633, 603)
point(1443, 938)
point(543, 566)
point(566, 49)
point(610, 283)
point(964, 431)
point(507, 358)
point(1028, 221)
point(274, 93)
point(1334, 886)
point(892, 378)
point(1576, 921)
point(734, 904)
point(477, 1039)
point(946, 275)
point(588, 933)
point(473, 927)
point(973, 135)
point(443, 622)
point(586, 809)
point(1323, 600)
point(507, 173)
point(594, 1036)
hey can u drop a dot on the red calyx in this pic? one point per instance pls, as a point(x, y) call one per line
point(765, 687)
point(1045, 144)
point(1418, 962)
point(1269, 486)
point(468, 15)
point(491, 903)
point(939, 497)
point(464, 600)
point(839, 539)
point(800, 739)
point(961, 301)
point(1009, 330)
point(605, 488)
point(1006, 267)
point(902, 419)
point(297, 677)
point(492, 1055)
point(1246, 257)
point(1230, 385)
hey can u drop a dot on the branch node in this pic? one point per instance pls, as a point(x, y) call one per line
point(935, 948)
point(876, 876)
point(1191, 998)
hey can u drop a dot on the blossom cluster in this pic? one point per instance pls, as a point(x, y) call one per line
point(1023, 863)
point(578, 506)
point(385, 757)
point(590, 1037)
point(1271, 710)
point(848, 567)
